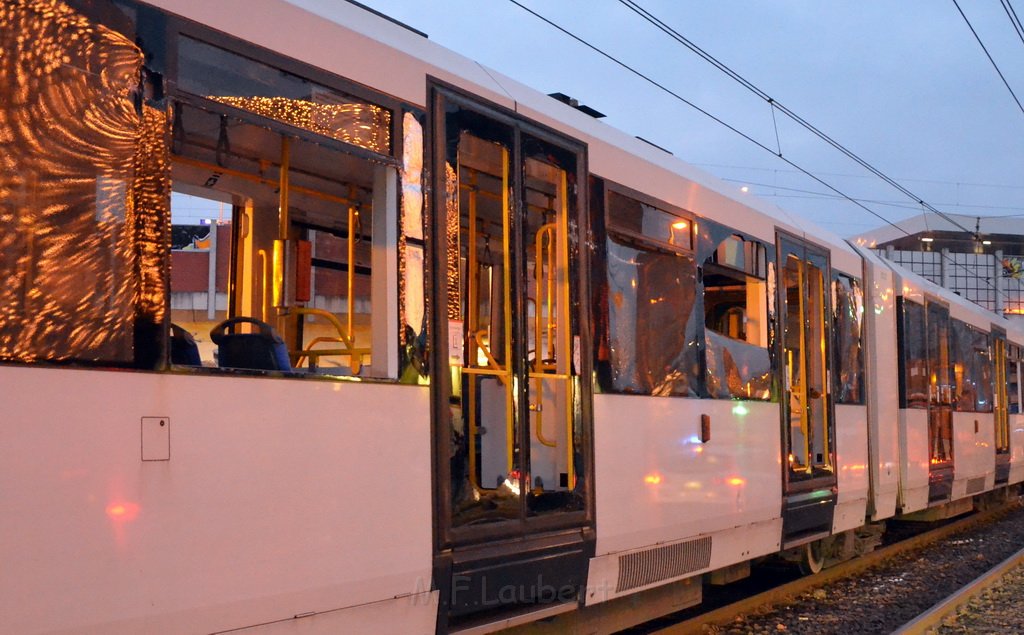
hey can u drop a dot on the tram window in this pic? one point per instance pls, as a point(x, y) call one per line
point(972, 368)
point(848, 356)
point(200, 256)
point(736, 321)
point(323, 298)
point(79, 162)
point(652, 278)
point(914, 356)
point(1013, 360)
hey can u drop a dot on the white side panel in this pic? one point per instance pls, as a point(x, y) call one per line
point(281, 497)
point(882, 381)
point(851, 467)
point(656, 481)
point(973, 451)
point(913, 459)
point(1016, 449)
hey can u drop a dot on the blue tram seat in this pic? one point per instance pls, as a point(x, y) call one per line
point(261, 350)
point(184, 350)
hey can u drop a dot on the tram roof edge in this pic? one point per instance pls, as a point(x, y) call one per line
point(370, 59)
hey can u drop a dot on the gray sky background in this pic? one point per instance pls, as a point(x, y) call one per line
point(902, 83)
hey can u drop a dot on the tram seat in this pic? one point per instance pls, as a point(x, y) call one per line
point(261, 350)
point(184, 350)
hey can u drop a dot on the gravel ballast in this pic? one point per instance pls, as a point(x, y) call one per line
point(887, 596)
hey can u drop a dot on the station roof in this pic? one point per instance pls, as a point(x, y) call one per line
point(948, 232)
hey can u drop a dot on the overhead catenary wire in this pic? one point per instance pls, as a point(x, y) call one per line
point(1014, 20)
point(681, 39)
point(704, 112)
point(989, 56)
point(724, 68)
point(747, 137)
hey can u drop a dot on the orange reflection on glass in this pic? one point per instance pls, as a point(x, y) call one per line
point(736, 481)
point(652, 479)
point(122, 511)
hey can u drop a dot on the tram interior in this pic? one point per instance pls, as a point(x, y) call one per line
point(323, 309)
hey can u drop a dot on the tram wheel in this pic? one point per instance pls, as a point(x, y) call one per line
point(813, 559)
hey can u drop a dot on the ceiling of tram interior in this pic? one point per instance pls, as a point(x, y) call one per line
point(226, 154)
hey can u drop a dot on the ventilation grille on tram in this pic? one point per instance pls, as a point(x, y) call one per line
point(647, 567)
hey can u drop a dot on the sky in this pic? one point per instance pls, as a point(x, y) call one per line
point(903, 84)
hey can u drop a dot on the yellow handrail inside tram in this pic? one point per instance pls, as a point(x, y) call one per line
point(354, 353)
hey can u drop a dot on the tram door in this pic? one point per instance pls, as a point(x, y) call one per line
point(940, 403)
point(512, 489)
point(808, 429)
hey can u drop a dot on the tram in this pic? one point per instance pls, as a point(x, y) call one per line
point(308, 324)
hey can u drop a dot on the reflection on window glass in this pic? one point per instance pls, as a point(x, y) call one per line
point(848, 354)
point(736, 321)
point(972, 368)
point(226, 77)
point(630, 216)
point(83, 185)
point(412, 301)
point(915, 356)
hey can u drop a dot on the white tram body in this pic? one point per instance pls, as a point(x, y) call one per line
point(574, 371)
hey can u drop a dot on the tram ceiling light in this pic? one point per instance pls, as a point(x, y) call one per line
point(986, 242)
point(927, 239)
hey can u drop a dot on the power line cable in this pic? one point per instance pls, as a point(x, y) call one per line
point(681, 39)
point(1010, 13)
point(678, 37)
point(732, 128)
point(989, 56)
point(704, 112)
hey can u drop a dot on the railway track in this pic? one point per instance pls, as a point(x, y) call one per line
point(889, 588)
point(958, 607)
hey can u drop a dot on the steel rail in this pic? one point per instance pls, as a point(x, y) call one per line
point(726, 615)
point(945, 608)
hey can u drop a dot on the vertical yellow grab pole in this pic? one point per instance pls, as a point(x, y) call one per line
point(506, 299)
point(562, 242)
point(278, 254)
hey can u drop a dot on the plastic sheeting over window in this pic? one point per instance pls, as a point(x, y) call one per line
point(914, 390)
point(972, 368)
point(848, 353)
point(737, 361)
point(651, 297)
point(83, 192)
